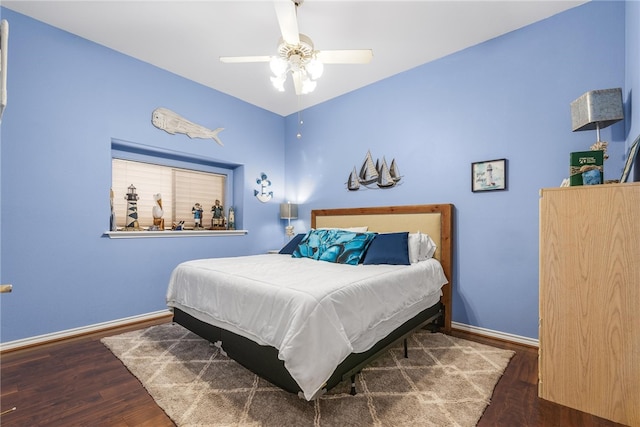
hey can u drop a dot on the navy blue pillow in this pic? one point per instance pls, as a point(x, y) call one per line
point(292, 245)
point(388, 248)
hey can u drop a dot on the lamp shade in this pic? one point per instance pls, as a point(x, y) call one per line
point(288, 211)
point(597, 109)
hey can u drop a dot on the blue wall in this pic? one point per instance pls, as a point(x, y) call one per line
point(632, 77)
point(508, 97)
point(67, 98)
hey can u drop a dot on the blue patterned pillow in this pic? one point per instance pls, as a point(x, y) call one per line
point(347, 247)
point(339, 246)
point(388, 248)
point(311, 245)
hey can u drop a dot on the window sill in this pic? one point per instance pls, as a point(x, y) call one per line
point(170, 233)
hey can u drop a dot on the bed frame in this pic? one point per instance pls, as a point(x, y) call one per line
point(435, 220)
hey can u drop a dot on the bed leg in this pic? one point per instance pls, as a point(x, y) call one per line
point(353, 385)
point(437, 324)
point(406, 349)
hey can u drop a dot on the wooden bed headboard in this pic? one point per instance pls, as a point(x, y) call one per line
point(434, 220)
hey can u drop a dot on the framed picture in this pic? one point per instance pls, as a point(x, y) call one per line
point(489, 175)
point(630, 159)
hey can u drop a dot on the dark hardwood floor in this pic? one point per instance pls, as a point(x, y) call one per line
point(515, 401)
point(81, 383)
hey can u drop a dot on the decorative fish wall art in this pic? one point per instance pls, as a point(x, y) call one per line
point(173, 123)
point(371, 175)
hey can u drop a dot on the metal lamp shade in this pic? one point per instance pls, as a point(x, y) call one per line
point(288, 211)
point(597, 109)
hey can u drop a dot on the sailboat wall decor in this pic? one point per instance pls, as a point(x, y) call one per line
point(368, 171)
point(374, 175)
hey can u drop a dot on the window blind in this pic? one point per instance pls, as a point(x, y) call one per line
point(180, 188)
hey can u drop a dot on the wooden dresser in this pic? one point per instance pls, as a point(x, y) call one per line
point(590, 299)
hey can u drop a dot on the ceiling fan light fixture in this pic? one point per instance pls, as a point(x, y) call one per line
point(308, 85)
point(278, 82)
point(297, 55)
point(315, 68)
point(278, 65)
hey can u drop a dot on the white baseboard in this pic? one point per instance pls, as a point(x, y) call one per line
point(70, 333)
point(495, 334)
point(84, 330)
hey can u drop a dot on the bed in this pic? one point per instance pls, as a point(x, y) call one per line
point(306, 325)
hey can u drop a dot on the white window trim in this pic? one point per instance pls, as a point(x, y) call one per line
point(144, 151)
point(172, 233)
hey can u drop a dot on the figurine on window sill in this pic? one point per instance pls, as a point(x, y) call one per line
point(217, 222)
point(157, 212)
point(197, 215)
point(232, 219)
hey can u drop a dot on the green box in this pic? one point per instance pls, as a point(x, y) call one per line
point(586, 168)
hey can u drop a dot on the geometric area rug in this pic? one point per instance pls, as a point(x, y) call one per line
point(446, 381)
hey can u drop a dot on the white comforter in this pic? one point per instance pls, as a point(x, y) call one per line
point(314, 312)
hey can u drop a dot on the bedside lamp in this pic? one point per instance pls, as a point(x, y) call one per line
point(597, 109)
point(289, 211)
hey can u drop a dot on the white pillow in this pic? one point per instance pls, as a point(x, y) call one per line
point(421, 247)
point(414, 247)
point(427, 247)
point(353, 229)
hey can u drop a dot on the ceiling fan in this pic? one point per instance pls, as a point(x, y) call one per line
point(297, 55)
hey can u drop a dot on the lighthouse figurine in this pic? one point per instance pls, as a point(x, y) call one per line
point(231, 223)
point(132, 209)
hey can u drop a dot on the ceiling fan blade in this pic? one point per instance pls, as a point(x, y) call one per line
point(357, 56)
point(297, 81)
point(242, 59)
point(288, 21)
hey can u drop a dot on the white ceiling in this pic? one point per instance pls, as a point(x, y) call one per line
point(188, 37)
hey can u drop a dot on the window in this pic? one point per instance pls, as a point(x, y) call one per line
point(180, 188)
point(180, 178)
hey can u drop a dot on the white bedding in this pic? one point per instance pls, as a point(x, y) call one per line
point(314, 312)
